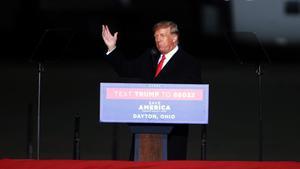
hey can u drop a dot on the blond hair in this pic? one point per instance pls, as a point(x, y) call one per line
point(167, 24)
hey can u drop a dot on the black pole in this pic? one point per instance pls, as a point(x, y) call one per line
point(40, 71)
point(76, 141)
point(260, 114)
point(40, 58)
point(203, 142)
point(29, 132)
point(114, 143)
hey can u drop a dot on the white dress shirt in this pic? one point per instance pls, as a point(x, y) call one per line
point(168, 56)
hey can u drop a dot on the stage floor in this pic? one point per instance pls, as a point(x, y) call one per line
point(109, 164)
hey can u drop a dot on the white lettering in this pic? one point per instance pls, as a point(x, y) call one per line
point(184, 94)
point(146, 94)
point(167, 116)
point(154, 108)
point(144, 116)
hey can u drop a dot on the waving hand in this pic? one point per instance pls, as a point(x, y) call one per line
point(109, 39)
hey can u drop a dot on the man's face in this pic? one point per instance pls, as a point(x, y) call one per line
point(165, 41)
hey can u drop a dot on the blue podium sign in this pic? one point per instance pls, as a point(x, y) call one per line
point(154, 103)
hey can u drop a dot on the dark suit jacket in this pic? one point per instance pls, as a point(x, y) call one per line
point(181, 68)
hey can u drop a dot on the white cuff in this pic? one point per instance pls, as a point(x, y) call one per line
point(109, 51)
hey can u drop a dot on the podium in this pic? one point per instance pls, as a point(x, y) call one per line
point(150, 142)
point(151, 110)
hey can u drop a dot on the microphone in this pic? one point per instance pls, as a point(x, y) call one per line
point(154, 51)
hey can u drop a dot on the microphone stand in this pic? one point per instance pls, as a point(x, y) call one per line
point(263, 57)
point(203, 142)
point(29, 132)
point(40, 71)
point(76, 140)
point(259, 73)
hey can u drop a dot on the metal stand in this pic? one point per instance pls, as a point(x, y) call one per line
point(52, 42)
point(240, 45)
point(29, 132)
point(40, 71)
point(76, 141)
point(203, 142)
point(260, 114)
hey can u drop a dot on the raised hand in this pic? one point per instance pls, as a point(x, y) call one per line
point(109, 39)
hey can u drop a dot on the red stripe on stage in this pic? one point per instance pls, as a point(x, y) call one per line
point(109, 164)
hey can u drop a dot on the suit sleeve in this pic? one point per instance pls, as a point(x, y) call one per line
point(132, 68)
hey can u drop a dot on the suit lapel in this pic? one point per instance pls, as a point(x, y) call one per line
point(171, 65)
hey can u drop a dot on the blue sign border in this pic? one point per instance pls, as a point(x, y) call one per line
point(162, 111)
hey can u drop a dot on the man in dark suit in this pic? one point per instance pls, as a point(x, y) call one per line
point(167, 63)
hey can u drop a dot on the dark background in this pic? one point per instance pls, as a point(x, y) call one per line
point(74, 67)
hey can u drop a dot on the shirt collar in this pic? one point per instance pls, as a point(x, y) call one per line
point(172, 52)
point(169, 55)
